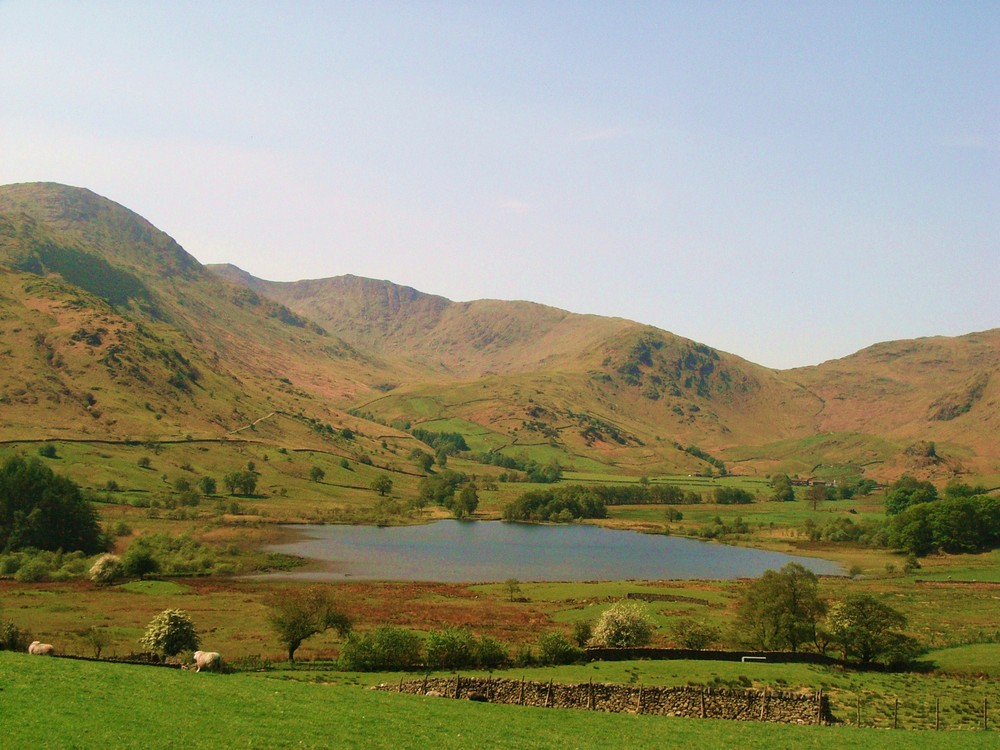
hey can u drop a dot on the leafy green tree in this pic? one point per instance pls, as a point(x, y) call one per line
point(241, 482)
point(732, 496)
point(40, 509)
point(906, 492)
point(466, 502)
point(207, 485)
point(624, 624)
point(382, 484)
point(297, 615)
point(316, 474)
point(781, 609)
point(691, 634)
point(782, 490)
point(870, 631)
point(47, 451)
point(582, 633)
point(423, 460)
point(169, 633)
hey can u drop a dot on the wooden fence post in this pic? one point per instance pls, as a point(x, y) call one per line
point(895, 713)
point(458, 682)
point(986, 714)
point(638, 702)
point(590, 695)
point(859, 709)
point(520, 699)
point(937, 713)
point(819, 706)
point(703, 703)
point(548, 697)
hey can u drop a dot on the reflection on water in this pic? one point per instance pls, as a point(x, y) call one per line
point(463, 551)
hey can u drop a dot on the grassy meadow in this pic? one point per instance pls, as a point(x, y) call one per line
point(53, 703)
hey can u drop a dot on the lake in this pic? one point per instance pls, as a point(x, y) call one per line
point(483, 551)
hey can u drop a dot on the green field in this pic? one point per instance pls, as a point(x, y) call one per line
point(53, 703)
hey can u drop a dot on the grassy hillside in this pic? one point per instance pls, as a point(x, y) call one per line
point(112, 331)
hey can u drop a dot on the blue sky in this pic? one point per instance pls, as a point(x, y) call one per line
point(789, 182)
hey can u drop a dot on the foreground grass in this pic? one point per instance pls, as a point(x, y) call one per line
point(53, 703)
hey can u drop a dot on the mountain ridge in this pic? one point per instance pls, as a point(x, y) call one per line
point(101, 311)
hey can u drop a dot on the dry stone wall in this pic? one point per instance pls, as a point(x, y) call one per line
point(706, 703)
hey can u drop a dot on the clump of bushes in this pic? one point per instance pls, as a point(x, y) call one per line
point(388, 648)
point(33, 566)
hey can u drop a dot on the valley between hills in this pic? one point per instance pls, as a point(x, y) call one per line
point(199, 408)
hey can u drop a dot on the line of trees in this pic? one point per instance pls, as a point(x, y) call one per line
point(783, 610)
point(562, 504)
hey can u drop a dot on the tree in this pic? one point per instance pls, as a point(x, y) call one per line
point(97, 638)
point(241, 482)
point(466, 502)
point(781, 609)
point(105, 569)
point(300, 614)
point(316, 474)
point(623, 625)
point(782, 490)
point(906, 492)
point(869, 630)
point(43, 510)
point(513, 588)
point(169, 633)
point(423, 460)
point(207, 485)
point(382, 484)
point(692, 634)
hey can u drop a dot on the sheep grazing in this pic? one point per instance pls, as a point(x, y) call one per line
point(41, 649)
point(210, 661)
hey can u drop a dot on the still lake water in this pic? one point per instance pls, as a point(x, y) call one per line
point(481, 551)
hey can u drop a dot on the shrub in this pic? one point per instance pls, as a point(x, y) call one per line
point(105, 569)
point(169, 633)
point(623, 625)
point(12, 638)
point(451, 648)
point(97, 639)
point(33, 571)
point(47, 451)
point(555, 648)
point(582, 633)
point(692, 634)
point(138, 561)
point(384, 648)
point(491, 653)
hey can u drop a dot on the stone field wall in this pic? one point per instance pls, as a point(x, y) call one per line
point(706, 703)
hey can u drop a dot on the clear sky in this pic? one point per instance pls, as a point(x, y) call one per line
point(787, 181)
